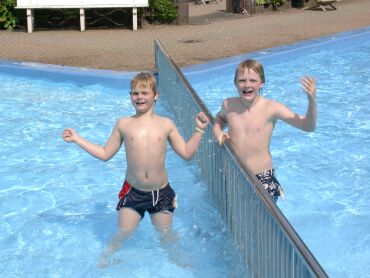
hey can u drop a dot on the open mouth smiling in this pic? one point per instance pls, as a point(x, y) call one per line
point(247, 92)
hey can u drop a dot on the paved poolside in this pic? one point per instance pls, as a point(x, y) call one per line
point(211, 34)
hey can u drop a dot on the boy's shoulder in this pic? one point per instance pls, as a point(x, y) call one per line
point(124, 119)
point(231, 99)
point(164, 120)
point(270, 102)
point(231, 103)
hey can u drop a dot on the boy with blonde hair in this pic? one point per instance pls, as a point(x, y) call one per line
point(251, 119)
point(145, 136)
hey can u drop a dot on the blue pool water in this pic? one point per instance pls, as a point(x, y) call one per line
point(57, 203)
point(325, 173)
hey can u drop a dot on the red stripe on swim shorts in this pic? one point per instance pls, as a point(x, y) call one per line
point(125, 189)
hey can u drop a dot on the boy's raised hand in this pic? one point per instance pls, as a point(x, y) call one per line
point(69, 135)
point(223, 138)
point(201, 120)
point(309, 86)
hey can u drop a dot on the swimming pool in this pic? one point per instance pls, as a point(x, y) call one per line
point(57, 203)
point(324, 174)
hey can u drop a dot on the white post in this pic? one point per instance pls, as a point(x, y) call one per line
point(82, 20)
point(134, 18)
point(29, 20)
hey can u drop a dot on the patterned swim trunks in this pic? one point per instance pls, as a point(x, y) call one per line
point(271, 184)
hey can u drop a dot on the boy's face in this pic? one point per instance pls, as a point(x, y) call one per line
point(248, 84)
point(143, 98)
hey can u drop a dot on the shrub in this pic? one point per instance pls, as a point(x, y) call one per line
point(162, 11)
point(274, 3)
point(8, 15)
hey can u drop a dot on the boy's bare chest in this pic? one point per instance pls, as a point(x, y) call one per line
point(248, 121)
point(145, 134)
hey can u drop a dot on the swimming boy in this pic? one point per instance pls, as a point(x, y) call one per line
point(145, 136)
point(251, 120)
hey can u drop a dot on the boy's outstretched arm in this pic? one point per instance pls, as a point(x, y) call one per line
point(104, 153)
point(307, 122)
point(187, 149)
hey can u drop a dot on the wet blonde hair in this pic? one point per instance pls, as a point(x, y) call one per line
point(144, 80)
point(251, 65)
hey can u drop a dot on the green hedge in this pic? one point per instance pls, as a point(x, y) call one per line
point(161, 11)
point(8, 15)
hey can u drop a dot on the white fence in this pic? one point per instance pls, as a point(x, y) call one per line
point(30, 5)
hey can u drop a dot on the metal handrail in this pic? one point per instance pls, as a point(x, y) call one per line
point(315, 269)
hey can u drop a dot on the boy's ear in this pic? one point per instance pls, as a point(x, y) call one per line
point(260, 89)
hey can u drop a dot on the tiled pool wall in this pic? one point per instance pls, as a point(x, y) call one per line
point(59, 73)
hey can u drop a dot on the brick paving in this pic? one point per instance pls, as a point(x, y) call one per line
point(211, 34)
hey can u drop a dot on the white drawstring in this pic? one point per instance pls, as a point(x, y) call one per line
point(154, 203)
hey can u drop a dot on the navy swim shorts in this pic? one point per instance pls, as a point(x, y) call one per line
point(160, 200)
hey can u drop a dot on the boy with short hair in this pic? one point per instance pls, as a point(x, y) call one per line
point(251, 119)
point(145, 136)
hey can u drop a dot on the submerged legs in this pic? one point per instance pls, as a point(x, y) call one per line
point(170, 241)
point(128, 220)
